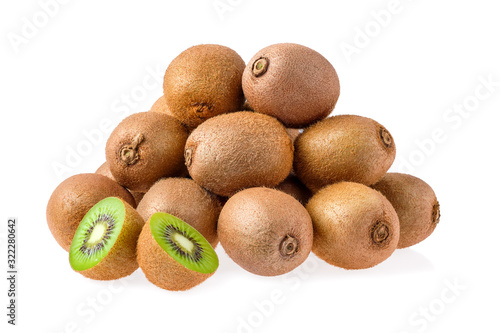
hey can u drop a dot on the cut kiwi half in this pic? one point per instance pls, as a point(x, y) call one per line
point(186, 200)
point(186, 245)
point(173, 255)
point(73, 198)
point(105, 242)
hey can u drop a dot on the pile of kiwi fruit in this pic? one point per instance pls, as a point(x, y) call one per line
point(248, 156)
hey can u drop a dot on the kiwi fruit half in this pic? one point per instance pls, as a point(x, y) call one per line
point(105, 171)
point(415, 203)
point(343, 148)
point(188, 201)
point(173, 255)
point(291, 82)
point(145, 147)
point(72, 199)
point(105, 242)
point(355, 226)
point(265, 231)
point(238, 150)
point(202, 82)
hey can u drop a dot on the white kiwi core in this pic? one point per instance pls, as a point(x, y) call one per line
point(97, 233)
point(183, 242)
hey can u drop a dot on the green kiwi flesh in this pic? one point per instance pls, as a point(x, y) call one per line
point(186, 245)
point(173, 255)
point(355, 226)
point(343, 148)
point(415, 203)
point(104, 245)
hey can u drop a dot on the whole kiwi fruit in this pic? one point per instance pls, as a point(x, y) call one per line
point(291, 82)
point(186, 200)
point(237, 150)
point(173, 255)
point(265, 231)
point(343, 148)
point(355, 226)
point(105, 242)
point(72, 199)
point(202, 82)
point(145, 147)
point(105, 171)
point(415, 203)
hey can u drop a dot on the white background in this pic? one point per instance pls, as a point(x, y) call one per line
point(74, 72)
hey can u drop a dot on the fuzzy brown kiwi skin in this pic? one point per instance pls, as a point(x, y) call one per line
point(161, 106)
point(202, 82)
point(292, 186)
point(265, 231)
point(71, 200)
point(105, 171)
point(121, 259)
point(186, 200)
point(238, 150)
point(343, 148)
point(291, 82)
point(145, 147)
point(293, 133)
point(161, 269)
point(415, 203)
point(355, 226)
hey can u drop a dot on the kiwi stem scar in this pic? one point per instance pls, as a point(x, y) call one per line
point(260, 66)
point(289, 246)
point(203, 110)
point(386, 137)
point(436, 213)
point(380, 233)
point(188, 156)
point(128, 152)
